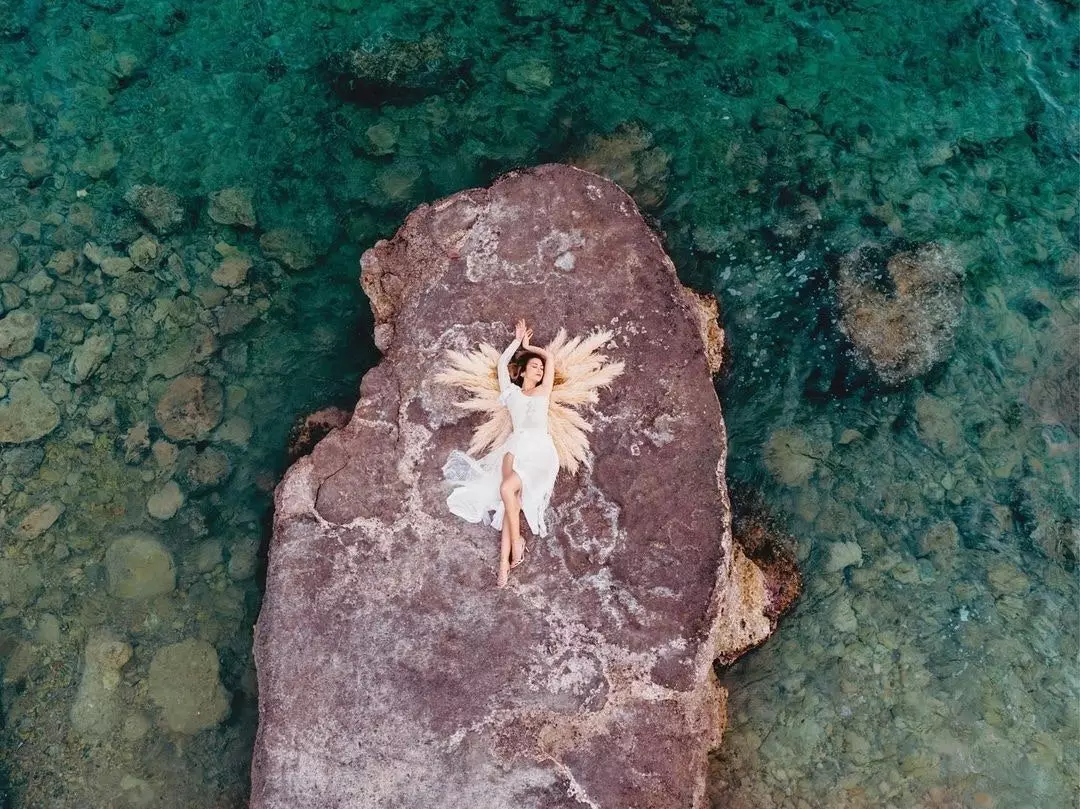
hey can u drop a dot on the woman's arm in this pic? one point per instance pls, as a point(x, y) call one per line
point(549, 363)
point(504, 372)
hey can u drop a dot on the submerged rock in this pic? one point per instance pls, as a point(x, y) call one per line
point(20, 583)
point(232, 206)
point(395, 70)
point(18, 331)
point(288, 246)
point(901, 319)
point(138, 566)
point(159, 206)
point(97, 705)
point(184, 682)
point(87, 357)
point(628, 157)
point(388, 662)
point(190, 407)
point(27, 413)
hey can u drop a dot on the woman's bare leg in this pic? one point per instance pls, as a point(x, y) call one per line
point(510, 490)
point(504, 553)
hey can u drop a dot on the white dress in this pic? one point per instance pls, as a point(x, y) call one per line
point(536, 461)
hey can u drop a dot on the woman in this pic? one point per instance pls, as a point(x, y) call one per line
point(519, 474)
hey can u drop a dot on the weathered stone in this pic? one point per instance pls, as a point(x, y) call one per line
point(39, 520)
point(144, 252)
point(165, 502)
point(27, 413)
point(792, 456)
point(942, 539)
point(101, 411)
point(184, 683)
point(15, 126)
point(136, 442)
point(97, 705)
point(87, 357)
point(232, 271)
point(904, 331)
point(243, 556)
point(206, 556)
point(839, 555)
point(288, 246)
point(192, 345)
point(232, 206)
point(765, 559)
point(207, 469)
point(37, 364)
point(138, 566)
point(20, 583)
point(116, 266)
point(190, 407)
point(395, 70)
point(531, 76)
point(1007, 579)
point(18, 331)
point(589, 681)
point(234, 317)
point(628, 157)
point(159, 206)
point(9, 261)
point(63, 261)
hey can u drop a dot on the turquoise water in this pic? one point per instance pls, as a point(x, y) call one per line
point(936, 668)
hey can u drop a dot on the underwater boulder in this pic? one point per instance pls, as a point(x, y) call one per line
point(396, 70)
point(900, 311)
point(389, 664)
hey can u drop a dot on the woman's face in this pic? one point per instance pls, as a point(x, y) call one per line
point(534, 369)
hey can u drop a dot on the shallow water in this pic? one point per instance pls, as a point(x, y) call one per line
point(767, 139)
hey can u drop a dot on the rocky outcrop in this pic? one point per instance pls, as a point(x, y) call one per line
point(391, 671)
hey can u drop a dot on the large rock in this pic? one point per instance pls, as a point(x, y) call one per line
point(27, 413)
point(391, 671)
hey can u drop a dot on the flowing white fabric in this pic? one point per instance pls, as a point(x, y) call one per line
point(536, 461)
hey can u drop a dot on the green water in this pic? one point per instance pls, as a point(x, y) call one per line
point(766, 139)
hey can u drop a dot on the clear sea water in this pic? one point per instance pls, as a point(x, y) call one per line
point(933, 659)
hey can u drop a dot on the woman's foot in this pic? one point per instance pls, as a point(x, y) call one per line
point(504, 575)
point(517, 552)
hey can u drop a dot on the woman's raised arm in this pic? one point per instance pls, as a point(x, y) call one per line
point(504, 360)
point(549, 362)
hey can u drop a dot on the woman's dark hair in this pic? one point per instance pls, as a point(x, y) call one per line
point(518, 365)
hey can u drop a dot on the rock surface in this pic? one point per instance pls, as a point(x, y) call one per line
point(138, 566)
point(97, 704)
point(185, 683)
point(391, 671)
point(190, 407)
point(27, 413)
point(18, 330)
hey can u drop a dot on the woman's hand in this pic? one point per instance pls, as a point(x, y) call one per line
point(520, 330)
point(527, 338)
